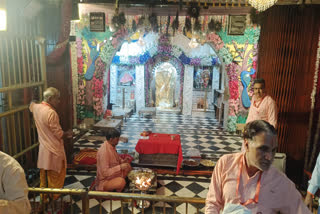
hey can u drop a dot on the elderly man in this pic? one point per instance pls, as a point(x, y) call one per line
point(111, 168)
point(13, 187)
point(263, 107)
point(249, 180)
point(52, 158)
point(314, 185)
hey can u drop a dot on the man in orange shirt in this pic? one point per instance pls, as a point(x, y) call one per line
point(51, 158)
point(248, 179)
point(263, 107)
point(111, 168)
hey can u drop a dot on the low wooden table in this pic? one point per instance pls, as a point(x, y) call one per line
point(147, 110)
point(105, 125)
point(121, 113)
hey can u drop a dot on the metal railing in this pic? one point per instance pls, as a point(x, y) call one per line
point(22, 69)
point(126, 199)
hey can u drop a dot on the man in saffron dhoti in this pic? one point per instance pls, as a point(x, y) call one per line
point(51, 158)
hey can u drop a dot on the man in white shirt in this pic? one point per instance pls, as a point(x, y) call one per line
point(13, 187)
point(314, 185)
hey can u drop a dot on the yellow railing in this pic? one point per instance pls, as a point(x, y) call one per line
point(124, 198)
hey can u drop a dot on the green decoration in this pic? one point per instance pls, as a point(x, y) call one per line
point(241, 119)
point(232, 123)
point(226, 55)
point(250, 34)
point(106, 53)
point(86, 34)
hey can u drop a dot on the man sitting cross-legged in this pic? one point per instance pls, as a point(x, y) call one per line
point(111, 168)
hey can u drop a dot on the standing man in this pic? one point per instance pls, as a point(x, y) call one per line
point(13, 187)
point(263, 107)
point(249, 181)
point(314, 185)
point(52, 158)
point(111, 168)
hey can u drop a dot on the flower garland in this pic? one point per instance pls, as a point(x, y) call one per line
point(315, 79)
point(215, 40)
point(97, 87)
point(81, 100)
point(118, 37)
point(313, 120)
point(164, 48)
point(81, 84)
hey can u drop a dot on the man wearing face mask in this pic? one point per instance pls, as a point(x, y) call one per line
point(263, 107)
point(248, 179)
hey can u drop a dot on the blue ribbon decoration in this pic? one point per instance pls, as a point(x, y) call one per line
point(184, 59)
point(94, 54)
point(116, 59)
point(144, 58)
point(245, 80)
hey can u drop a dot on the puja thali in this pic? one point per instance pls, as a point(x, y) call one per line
point(141, 173)
point(190, 162)
point(207, 163)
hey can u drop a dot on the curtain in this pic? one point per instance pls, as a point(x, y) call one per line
point(287, 55)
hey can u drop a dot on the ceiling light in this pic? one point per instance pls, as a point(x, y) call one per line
point(262, 5)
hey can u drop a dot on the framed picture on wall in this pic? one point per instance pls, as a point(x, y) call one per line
point(202, 78)
point(97, 22)
point(237, 24)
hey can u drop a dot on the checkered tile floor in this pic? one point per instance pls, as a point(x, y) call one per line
point(200, 133)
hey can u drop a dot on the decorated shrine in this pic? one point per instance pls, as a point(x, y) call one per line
point(183, 63)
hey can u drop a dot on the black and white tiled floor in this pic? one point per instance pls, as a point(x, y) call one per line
point(197, 133)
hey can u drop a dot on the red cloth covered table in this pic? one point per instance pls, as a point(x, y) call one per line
point(161, 143)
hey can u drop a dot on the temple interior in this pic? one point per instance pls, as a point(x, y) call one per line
point(180, 71)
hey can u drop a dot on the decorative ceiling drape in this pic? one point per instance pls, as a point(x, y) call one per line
point(287, 56)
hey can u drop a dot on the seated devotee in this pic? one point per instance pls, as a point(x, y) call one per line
point(314, 185)
point(248, 179)
point(13, 187)
point(111, 168)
